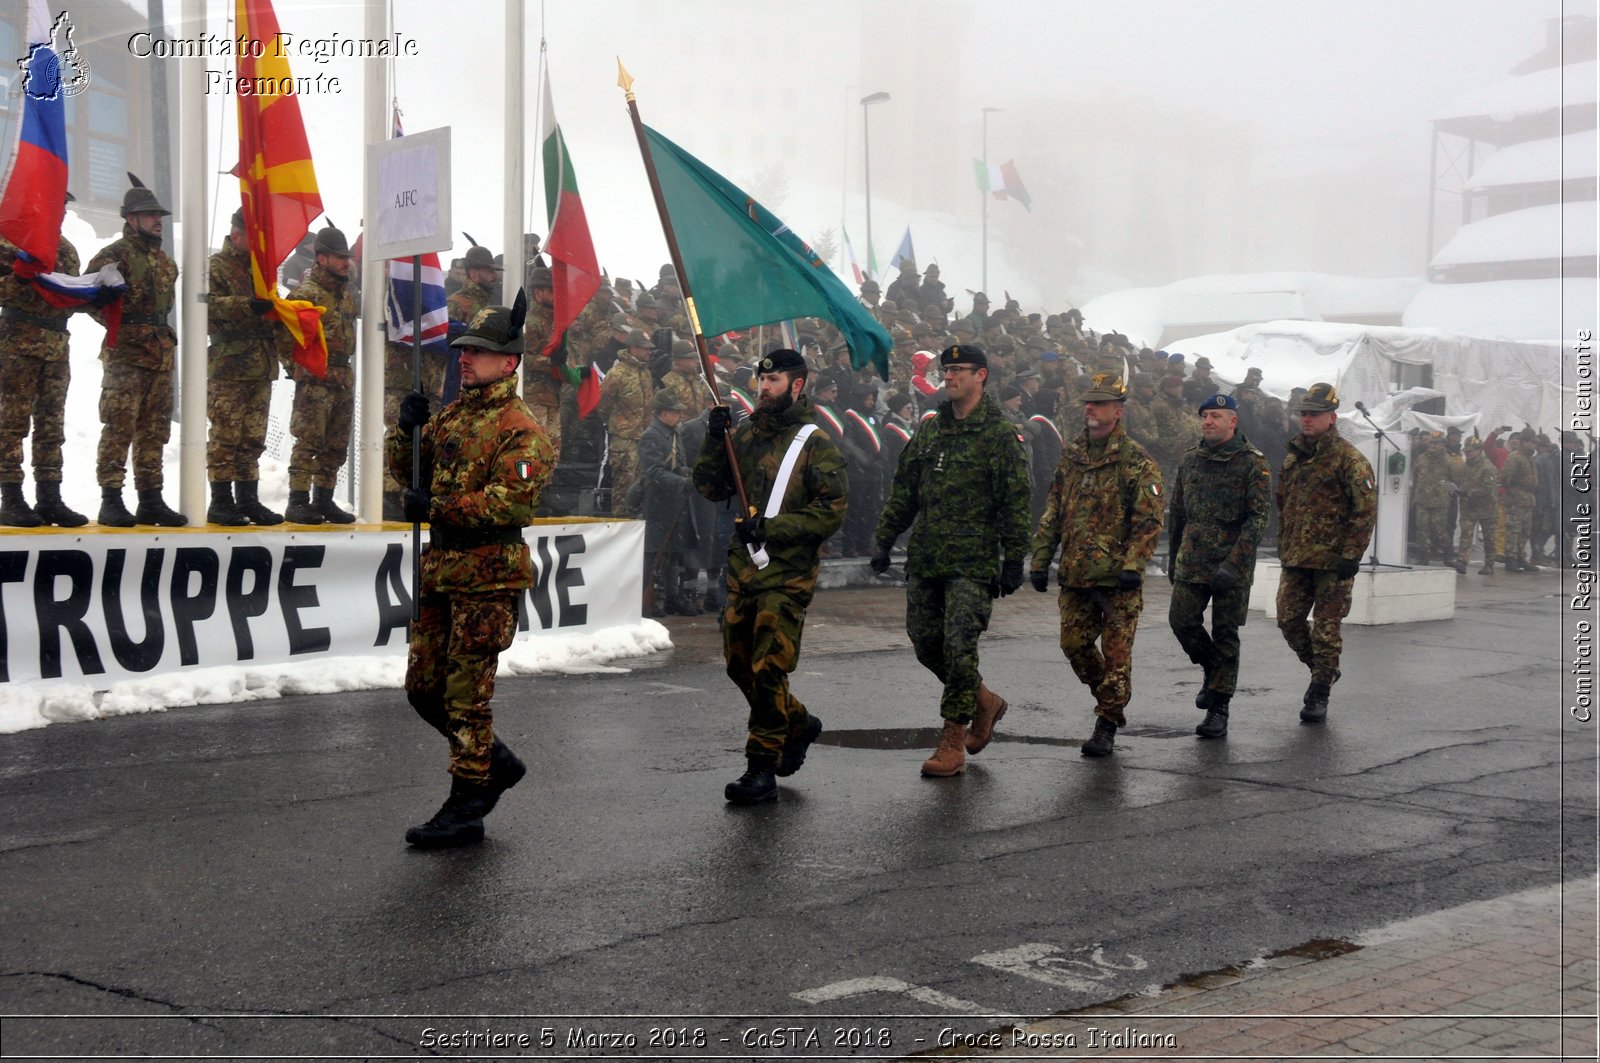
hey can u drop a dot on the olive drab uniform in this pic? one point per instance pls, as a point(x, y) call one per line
point(136, 382)
point(1104, 515)
point(324, 407)
point(1221, 501)
point(690, 389)
point(243, 359)
point(1432, 499)
point(34, 371)
point(1519, 485)
point(489, 461)
point(964, 481)
point(625, 398)
point(541, 378)
point(1326, 511)
point(1478, 483)
point(766, 608)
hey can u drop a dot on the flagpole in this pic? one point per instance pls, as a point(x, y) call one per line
point(625, 82)
point(377, 124)
point(513, 223)
point(192, 471)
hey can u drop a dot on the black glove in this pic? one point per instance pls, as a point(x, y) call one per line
point(751, 531)
point(1224, 578)
point(1040, 578)
point(1346, 569)
point(880, 559)
point(413, 411)
point(1010, 577)
point(260, 306)
point(719, 422)
point(417, 502)
point(1129, 580)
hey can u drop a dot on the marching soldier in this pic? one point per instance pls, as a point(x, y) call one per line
point(795, 480)
point(324, 406)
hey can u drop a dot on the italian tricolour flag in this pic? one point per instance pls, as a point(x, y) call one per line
point(572, 262)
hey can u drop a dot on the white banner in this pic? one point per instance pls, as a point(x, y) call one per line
point(103, 608)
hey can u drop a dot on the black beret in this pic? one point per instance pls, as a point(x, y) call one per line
point(782, 360)
point(964, 354)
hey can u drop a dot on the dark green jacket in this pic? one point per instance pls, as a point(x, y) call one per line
point(965, 483)
point(1221, 501)
point(813, 506)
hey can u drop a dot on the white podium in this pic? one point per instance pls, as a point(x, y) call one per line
point(1384, 596)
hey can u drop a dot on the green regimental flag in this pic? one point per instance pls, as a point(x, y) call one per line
point(746, 268)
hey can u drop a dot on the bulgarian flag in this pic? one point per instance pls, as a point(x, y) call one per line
point(1003, 181)
point(573, 266)
point(276, 178)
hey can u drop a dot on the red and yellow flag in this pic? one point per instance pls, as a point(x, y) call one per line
point(276, 178)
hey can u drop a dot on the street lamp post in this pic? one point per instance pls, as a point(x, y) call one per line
point(866, 157)
point(985, 196)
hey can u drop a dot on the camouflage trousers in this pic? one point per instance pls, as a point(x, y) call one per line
point(455, 646)
point(1519, 527)
point(238, 411)
point(136, 412)
point(548, 414)
point(1217, 651)
point(320, 424)
point(1433, 531)
point(1110, 616)
point(33, 391)
point(1472, 523)
point(624, 463)
point(945, 615)
point(397, 384)
point(761, 644)
point(1325, 598)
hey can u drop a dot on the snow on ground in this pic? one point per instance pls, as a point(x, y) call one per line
point(24, 706)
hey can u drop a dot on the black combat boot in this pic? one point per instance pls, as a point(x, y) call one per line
point(1215, 725)
point(757, 784)
point(300, 510)
point(113, 514)
point(393, 507)
point(52, 510)
point(247, 494)
point(222, 510)
point(1101, 742)
point(505, 771)
point(795, 746)
point(14, 509)
point(323, 500)
point(459, 820)
point(1315, 709)
point(154, 510)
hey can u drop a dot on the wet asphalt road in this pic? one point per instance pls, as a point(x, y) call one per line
point(171, 873)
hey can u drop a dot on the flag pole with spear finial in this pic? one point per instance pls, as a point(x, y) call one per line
point(625, 83)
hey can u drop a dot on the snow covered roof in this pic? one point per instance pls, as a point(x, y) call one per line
point(1540, 161)
point(1522, 235)
point(1543, 90)
point(1512, 309)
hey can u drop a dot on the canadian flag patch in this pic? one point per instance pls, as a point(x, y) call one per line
point(524, 469)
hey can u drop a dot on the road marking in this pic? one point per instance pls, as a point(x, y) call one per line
point(855, 987)
point(668, 688)
point(1053, 966)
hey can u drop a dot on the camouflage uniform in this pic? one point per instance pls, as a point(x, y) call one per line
point(323, 408)
point(625, 399)
point(488, 462)
point(1432, 499)
point(691, 389)
point(767, 607)
point(1104, 513)
point(1478, 482)
point(241, 364)
point(1326, 511)
point(1221, 502)
point(34, 371)
point(1519, 484)
point(136, 383)
point(541, 378)
point(965, 483)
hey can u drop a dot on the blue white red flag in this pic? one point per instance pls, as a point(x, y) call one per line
point(35, 197)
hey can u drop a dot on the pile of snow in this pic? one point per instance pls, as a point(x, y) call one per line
point(1555, 230)
point(1577, 155)
point(1543, 90)
point(1536, 309)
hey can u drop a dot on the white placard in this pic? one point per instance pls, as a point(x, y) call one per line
point(408, 194)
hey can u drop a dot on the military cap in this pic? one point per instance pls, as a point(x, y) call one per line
point(331, 241)
point(1543, 440)
point(730, 351)
point(666, 399)
point(1319, 398)
point(1527, 435)
point(1255, 374)
point(646, 301)
point(1174, 359)
point(140, 200)
point(492, 330)
point(1050, 356)
point(684, 349)
point(932, 268)
point(979, 297)
point(1009, 392)
point(1202, 362)
point(908, 266)
point(620, 322)
point(540, 277)
point(237, 221)
point(1472, 443)
point(1106, 387)
point(964, 326)
point(637, 338)
point(1172, 380)
point(963, 354)
point(1025, 373)
point(480, 258)
point(1220, 402)
point(870, 285)
point(824, 382)
point(805, 339)
point(889, 306)
point(1453, 430)
point(622, 284)
point(667, 271)
point(782, 360)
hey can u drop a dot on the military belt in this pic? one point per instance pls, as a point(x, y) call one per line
point(241, 334)
point(446, 537)
point(144, 319)
point(54, 324)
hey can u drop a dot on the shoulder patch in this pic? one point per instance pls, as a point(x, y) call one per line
point(524, 469)
point(1367, 483)
point(1155, 489)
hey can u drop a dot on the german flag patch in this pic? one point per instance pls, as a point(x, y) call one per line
point(524, 469)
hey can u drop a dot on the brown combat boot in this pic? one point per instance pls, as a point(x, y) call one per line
point(991, 707)
point(950, 758)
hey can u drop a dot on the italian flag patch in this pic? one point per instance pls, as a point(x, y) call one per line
point(1155, 489)
point(524, 469)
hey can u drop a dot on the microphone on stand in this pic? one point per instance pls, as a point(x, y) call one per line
point(1361, 406)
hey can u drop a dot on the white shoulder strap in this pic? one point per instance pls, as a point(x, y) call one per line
point(780, 486)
